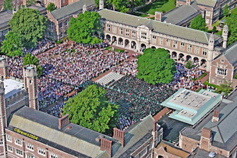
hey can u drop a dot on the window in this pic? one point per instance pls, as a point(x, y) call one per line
point(153, 39)
point(133, 34)
point(30, 156)
point(108, 27)
point(207, 21)
point(161, 41)
point(143, 35)
point(53, 155)
point(9, 148)
point(221, 71)
point(204, 52)
point(60, 25)
point(208, 13)
point(41, 152)
point(114, 29)
point(182, 45)
point(19, 152)
point(18, 141)
point(167, 42)
point(175, 44)
point(9, 138)
point(197, 49)
point(121, 31)
point(30, 146)
point(127, 32)
point(1, 141)
point(190, 48)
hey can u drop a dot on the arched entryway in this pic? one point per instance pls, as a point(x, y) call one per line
point(188, 57)
point(196, 61)
point(174, 55)
point(203, 62)
point(143, 47)
point(181, 57)
point(108, 38)
point(114, 40)
point(153, 47)
point(120, 41)
point(126, 43)
point(133, 45)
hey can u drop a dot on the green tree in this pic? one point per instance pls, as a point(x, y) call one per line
point(51, 7)
point(29, 59)
point(7, 5)
point(226, 10)
point(30, 25)
point(224, 88)
point(91, 109)
point(82, 28)
point(30, 2)
point(189, 64)
point(12, 45)
point(232, 23)
point(155, 66)
point(198, 23)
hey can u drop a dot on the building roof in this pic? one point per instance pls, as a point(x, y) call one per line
point(71, 9)
point(5, 17)
point(12, 87)
point(170, 148)
point(231, 53)
point(224, 131)
point(134, 138)
point(72, 137)
point(181, 14)
point(210, 3)
point(199, 153)
point(191, 106)
point(109, 78)
point(157, 26)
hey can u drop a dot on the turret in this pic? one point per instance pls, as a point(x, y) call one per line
point(211, 42)
point(101, 5)
point(30, 83)
point(84, 9)
point(225, 36)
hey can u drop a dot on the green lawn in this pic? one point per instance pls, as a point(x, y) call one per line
point(160, 5)
point(234, 11)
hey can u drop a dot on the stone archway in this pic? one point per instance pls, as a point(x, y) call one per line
point(108, 38)
point(153, 47)
point(143, 47)
point(188, 57)
point(114, 40)
point(133, 45)
point(174, 55)
point(203, 63)
point(120, 41)
point(195, 61)
point(181, 57)
point(160, 156)
point(126, 42)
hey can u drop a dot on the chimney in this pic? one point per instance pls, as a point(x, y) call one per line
point(63, 121)
point(106, 145)
point(215, 116)
point(205, 141)
point(119, 135)
point(188, 2)
point(158, 16)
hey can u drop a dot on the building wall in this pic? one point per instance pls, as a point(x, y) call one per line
point(221, 71)
point(17, 144)
point(187, 143)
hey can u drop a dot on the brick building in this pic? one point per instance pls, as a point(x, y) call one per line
point(211, 10)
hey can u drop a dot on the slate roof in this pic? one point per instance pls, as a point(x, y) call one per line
point(135, 137)
point(71, 8)
point(211, 3)
point(157, 26)
point(231, 53)
point(45, 126)
point(224, 131)
point(181, 14)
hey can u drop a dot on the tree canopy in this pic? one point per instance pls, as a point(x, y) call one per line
point(12, 45)
point(7, 5)
point(226, 10)
point(51, 7)
point(29, 59)
point(91, 109)
point(155, 66)
point(29, 24)
point(198, 23)
point(232, 23)
point(82, 28)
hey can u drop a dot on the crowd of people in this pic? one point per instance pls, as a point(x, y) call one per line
point(67, 66)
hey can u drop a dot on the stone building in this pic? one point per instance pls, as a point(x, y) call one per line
point(59, 18)
point(137, 33)
point(211, 10)
point(223, 68)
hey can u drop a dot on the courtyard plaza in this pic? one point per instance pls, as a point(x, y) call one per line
point(68, 65)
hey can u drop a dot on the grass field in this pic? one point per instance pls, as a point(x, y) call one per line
point(234, 11)
point(160, 5)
